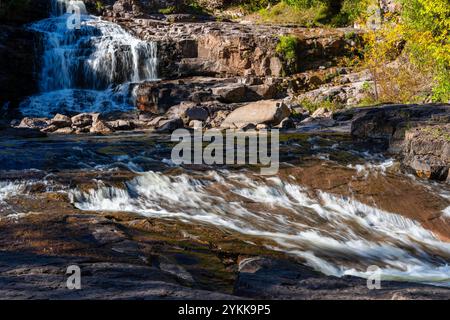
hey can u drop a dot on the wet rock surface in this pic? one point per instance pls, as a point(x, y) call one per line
point(418, 133)
point(426, 150)
point(123, 256)
point(266, 278)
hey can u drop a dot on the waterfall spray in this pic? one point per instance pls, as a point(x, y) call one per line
point(90, 68)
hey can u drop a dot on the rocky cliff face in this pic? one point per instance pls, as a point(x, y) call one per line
point(427, 151)
point(233, 49)
point(419, 134)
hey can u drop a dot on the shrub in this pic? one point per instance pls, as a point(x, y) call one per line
point(427, 31)
point(287, 47)
point(168, 10)
point(419, 44)
point(283, 13)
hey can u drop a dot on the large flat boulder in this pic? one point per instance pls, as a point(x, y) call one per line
point(427, 151)
point(270, 112)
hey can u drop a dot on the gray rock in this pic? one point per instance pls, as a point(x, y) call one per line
point(121, 125)
point(287, 124)
point(61, 121)
point(170, 125)
point(100, 127)
point(33, 123)
point(82, 120)
point(66, 130)
point(426, 150)
point(261, 112)
point(196, 113)
point(231, 94)
point(268, 278)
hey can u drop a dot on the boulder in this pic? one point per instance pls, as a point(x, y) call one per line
point(195, 124)
point(230, 94)
point(121, 125)
point(321, 113)
point(100, 127)
point(155, 121)
point(49, 129)
point(196, 113)
point(426, 150)
point(82, 120)
point(270, 112)
point(66, 130)
point(262, 91)
point(61, 121)
point(33, 123)
point(167, 126)
point(381, 123)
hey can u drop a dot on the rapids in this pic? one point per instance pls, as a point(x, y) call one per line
point(339, 217)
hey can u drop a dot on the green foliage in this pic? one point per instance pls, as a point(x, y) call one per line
point(99, 5)
point(427, 31)
point(341, 12)
point(312, 12)
point(195, 8)
point(313, 106)
point(409, 57)
point(283, 13)
point(255, 5)
point(189, 6)
point(168, 10)
point(287, 47)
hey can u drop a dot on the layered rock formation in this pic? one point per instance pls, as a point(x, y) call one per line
point(221, 48)
point(419, 133)
point(426, 150)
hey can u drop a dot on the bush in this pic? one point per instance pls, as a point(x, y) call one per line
point(427, 32)
point(287, 47)
point(283, 13)
point(312, 12)
point(419, 44)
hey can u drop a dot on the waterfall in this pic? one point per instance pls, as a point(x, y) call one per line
point(88, 68)
point(59, 7)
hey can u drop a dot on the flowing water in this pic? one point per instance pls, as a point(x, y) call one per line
point(339, 209)
point(338, 233)
point(90, 68)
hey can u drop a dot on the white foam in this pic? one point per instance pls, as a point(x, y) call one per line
point(446, 212)
point(90, 69)
point(334, 235)
point(9, 188)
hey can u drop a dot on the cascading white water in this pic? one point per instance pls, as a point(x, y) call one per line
point(89, 68)
point(335, 235)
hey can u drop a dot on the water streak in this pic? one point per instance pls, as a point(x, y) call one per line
point(335, 235)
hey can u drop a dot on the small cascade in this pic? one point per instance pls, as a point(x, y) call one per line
point(89, 68)
point(60, 7)
point(335, 235)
